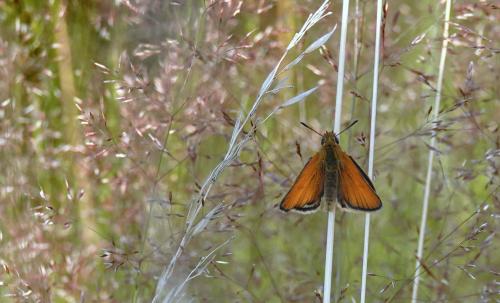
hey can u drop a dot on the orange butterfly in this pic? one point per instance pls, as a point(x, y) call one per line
point(335, 175)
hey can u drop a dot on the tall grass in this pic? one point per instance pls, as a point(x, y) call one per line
point(114, 114)
point(432, 149)
point(330, 234)
point(371, 156)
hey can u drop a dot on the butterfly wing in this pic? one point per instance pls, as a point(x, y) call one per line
point(305, 194)
point(356, 189)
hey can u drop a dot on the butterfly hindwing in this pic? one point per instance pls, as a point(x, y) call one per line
point(356, 189)
point(305, 194)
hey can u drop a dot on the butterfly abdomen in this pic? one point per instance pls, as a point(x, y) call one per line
point(331, 174)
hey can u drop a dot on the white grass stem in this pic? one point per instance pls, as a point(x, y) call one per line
point(371, 154)
point(340, 75)
point(437, 101)
point(330, 234)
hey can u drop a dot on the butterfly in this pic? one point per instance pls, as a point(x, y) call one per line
point(333, 175)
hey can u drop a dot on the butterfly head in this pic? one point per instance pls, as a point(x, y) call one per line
point(329, 138)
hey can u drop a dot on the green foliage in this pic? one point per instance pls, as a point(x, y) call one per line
point(112, 115)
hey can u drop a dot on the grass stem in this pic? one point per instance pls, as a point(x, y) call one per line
point(437, 101)
point(373, 120)
point(336, 128)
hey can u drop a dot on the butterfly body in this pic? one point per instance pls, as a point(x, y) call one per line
point(331, 169)
point(333, 175)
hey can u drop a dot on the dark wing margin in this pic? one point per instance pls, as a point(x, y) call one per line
point(356, 189)
point(307, 190)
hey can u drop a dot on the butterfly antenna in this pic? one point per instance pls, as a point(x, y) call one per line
point(310, 128)
point(348, 126)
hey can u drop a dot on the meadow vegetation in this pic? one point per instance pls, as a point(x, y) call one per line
point(114, 115)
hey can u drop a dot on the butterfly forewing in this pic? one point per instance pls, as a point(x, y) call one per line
point(356, 189)
point(306, 192)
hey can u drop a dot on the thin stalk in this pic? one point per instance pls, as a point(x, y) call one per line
point(356, 58)
point(330, 233)
point(437, 101)
point(336, 128)
point(340, 256)
point(340, 76)
point(371, 154)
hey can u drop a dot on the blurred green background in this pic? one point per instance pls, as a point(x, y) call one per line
point(113, 114)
